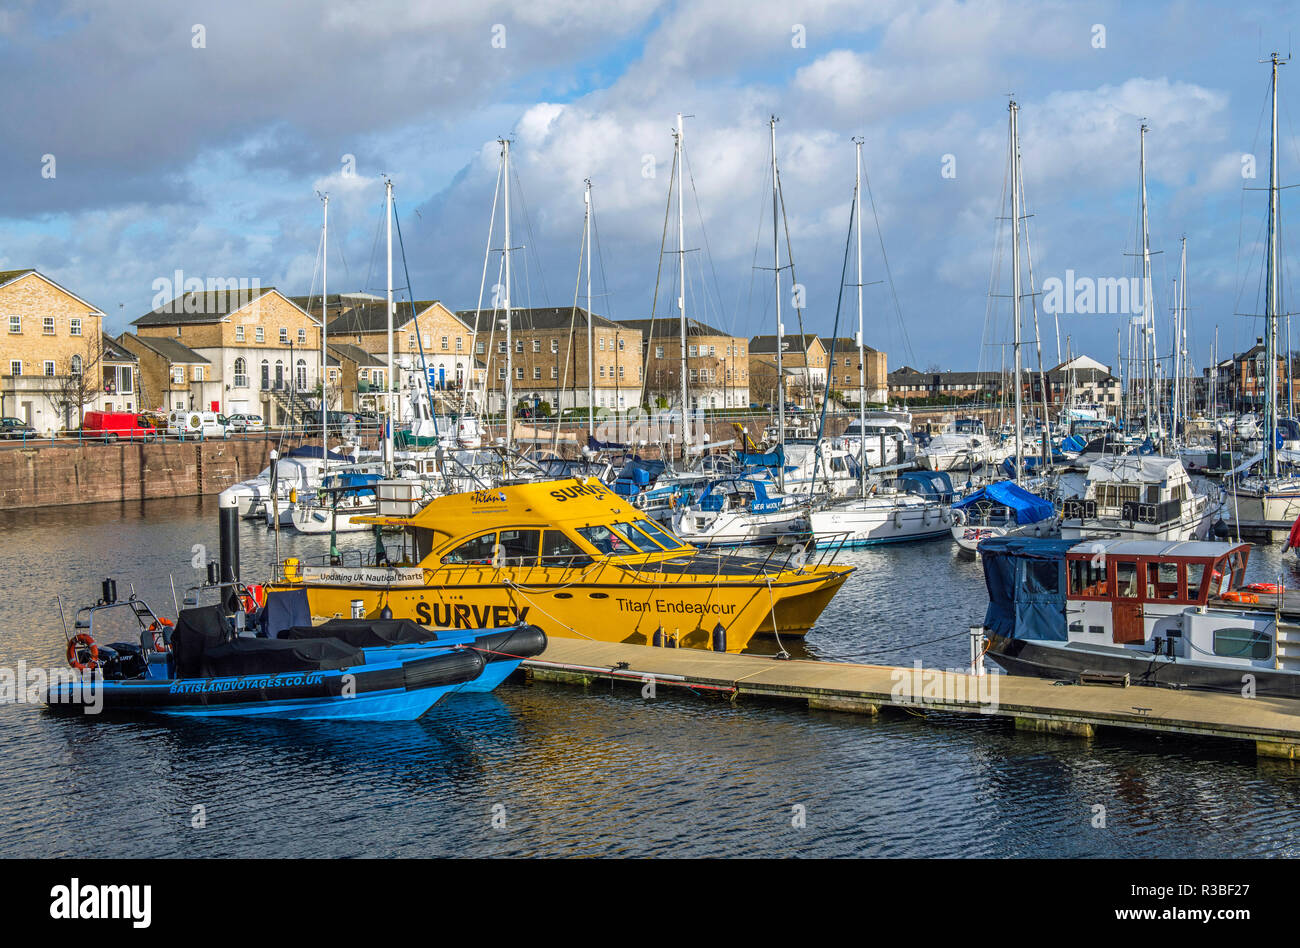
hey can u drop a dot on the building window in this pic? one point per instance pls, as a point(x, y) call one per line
point(284, 335)
point(259, 334)
point(15, 324)
point(555, 372)
point(239, 334)
point(16, 368)
point(49, 368)
point(519, 372)
point(501, 372)
point(537, 372)
point(178, 374)
point(300, 374)
point(75, 366)
point(620, 371)
point(460, 344)
point(620, 344)
point(125, 381)
point(659, 352)
point(555, 345)
point(74, 326)
point(302, 337)
point(691, 351)
point(478, 348)
point(47, 325)
point(445, 344)
point(537, 345)
point(501, 347)
point(519, 345)
point(602, 371)
point(602, 343)
point(241, 373)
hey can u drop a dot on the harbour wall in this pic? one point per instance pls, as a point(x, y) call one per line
point(81, 473)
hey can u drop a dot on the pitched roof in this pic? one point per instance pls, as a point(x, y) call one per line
point(842, 344)
point(206, 307)
point(115, 352)
point(543, 317)
point(671, 327)
point(353, 353)
point(165, 346)
point(364, 314)
point(9, 276)
point(794, 342)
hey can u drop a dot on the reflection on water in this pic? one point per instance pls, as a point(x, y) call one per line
point(594, 772)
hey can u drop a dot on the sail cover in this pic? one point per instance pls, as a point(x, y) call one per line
point(1028, 508)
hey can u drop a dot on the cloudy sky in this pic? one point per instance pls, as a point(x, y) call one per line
point(170, 136)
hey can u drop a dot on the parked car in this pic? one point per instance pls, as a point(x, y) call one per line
point(194, 424)
point(242, 422)
point(16, 428)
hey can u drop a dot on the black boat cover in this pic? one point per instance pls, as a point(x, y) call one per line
point(247, 656)
point(204, 646)
point(197, 630)
point(284, 609)
point(365, 633)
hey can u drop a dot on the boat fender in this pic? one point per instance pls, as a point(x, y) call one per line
point(719, 638)
point(925, 517)
point(898, 520)
point(75, 644)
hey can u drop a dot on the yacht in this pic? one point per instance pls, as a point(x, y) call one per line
point(1140, 497)
point(914, 506)
point(963, 445)
point(741, 511)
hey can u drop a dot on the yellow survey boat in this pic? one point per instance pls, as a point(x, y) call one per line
point(577, 560)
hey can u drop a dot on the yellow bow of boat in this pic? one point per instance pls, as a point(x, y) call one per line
point(577, 560)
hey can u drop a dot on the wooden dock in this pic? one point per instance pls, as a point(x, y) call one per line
point(1034, 704)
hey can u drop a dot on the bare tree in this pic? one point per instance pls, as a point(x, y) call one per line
point(77, 382)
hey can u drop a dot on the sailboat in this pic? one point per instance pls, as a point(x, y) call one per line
point(913, 507)
point(744, 509)
point(1007, 507)
point(1269, 495)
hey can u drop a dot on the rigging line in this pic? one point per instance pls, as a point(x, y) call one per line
point(880, 235)
point(835, 332)
point(794, 281)
point(419, 334)
point(654, 299)
point(569, 354)
point(478, 310)
point(699, 213)
point(532, 240)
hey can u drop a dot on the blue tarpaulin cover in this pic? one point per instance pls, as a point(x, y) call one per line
point(772, 459)
point(1026, 582)
point(1028, 508)
point(926, 483)
point(313, 451)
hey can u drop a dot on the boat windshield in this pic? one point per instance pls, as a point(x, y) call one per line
point(659, 535)
point(616, 539)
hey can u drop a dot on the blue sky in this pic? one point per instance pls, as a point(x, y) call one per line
point(171, 153)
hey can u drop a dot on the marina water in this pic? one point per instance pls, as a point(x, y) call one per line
point(555, 770)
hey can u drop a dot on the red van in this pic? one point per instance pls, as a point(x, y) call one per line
point(111, 425)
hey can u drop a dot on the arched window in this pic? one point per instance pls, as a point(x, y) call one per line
point(241, 373)
point(76, 365)
point(300, 374)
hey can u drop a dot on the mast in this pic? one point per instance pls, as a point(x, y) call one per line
point(1272, 304)
point(1013, 109)
point(780, 332)
point(862, 353)
point(510, 346)
point(324, 314)
point(679, 145)
point(1148, 320)
point(591, 330)
point(392, 368)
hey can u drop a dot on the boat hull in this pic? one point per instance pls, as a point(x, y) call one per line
point(858, 526)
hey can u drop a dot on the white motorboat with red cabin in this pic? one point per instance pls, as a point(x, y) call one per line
point(1177, 614)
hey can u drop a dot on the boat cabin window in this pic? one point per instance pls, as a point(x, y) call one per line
point(1153, 494)
point(1162, 580)
point(613, 540)
point(1195, 580)
point(477, 552)
point(1237, 564)
point(661, 536)
point(1088, 579)
point(1242, 643)
point(1042, 577)
point(1126, 580)
point(559, 550)
point(519, 547)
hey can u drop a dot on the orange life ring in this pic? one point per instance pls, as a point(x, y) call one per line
point(1237, 595)
point(159, 638)
point(1263, 587)
point(83, 638)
